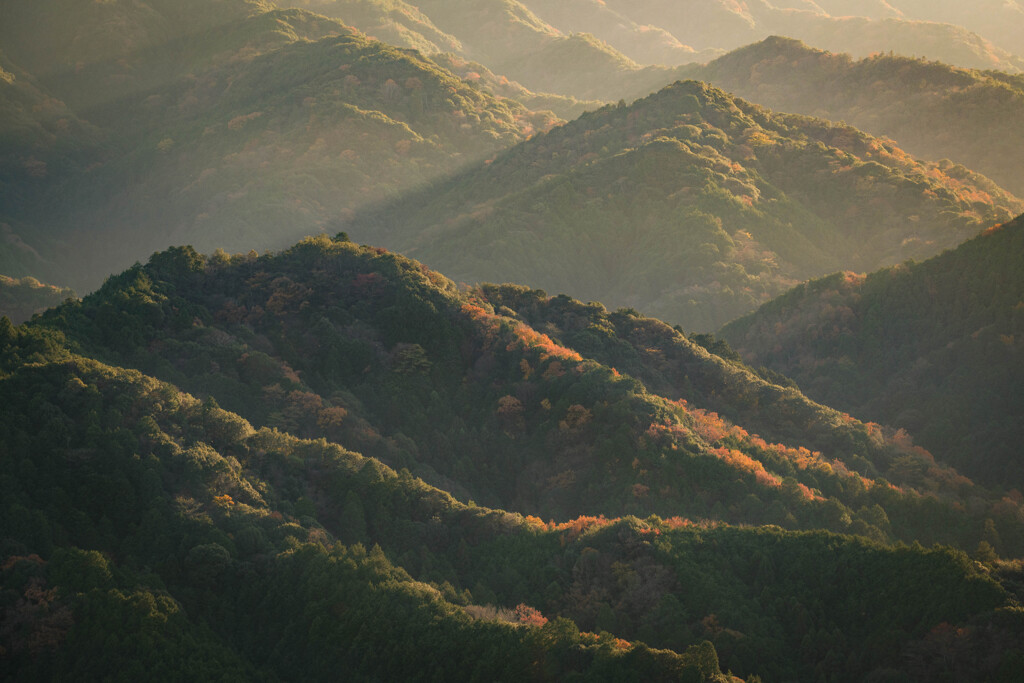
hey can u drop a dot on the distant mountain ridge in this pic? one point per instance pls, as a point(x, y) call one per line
point(608, 49)
point(690, 204)
point(272, 126)
point(932, 110)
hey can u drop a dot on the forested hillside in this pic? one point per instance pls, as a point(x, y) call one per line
point(690, 204)
point(270, 456)
point(246, 134)
point(933, 347)
point(933, 110)
point(141, 521)
point(154, 535)
point(374, 351)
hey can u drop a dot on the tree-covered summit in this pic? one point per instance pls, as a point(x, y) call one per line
point(690, 204)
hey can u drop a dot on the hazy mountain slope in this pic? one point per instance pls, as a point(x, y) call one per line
point(690, 204)
point(274, 133)
point(42, 144)
point(565, 107)
point(401, 24)
point(21, 298)
point(999, 21)
point(511, 40)
point(725, 24)
point(646, 44)
point(933, 347)
point(932, 110)
point(94, 52)
point(392, 21)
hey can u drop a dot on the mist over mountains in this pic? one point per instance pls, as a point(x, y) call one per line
point(511, 340)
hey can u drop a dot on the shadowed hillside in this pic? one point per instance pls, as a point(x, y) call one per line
point(932, 347)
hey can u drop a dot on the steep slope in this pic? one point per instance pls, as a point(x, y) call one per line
point(374, 351)
point(110, 470)
point(932, 110)
point(932, 347)
point(138, 521)
point(689, 204)
point(282, 122)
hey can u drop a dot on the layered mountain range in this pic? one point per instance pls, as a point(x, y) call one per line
point(246, 134)
point(690, 204)
point(265, 456)
point(933, 110)
point(147, 513)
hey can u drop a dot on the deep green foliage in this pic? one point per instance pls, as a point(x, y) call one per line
point(145, 530)
point(542, 406)
point(211, 580)
point(932, 347)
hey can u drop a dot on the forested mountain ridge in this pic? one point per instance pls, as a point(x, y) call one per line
point(332, 461)
point(595, 49)
point(689, 204)
point(932, 110)
point(136, 510)
point(933, 347)
point(276, 124)
point(372, 350)
point(140, 522)
point(232, 124)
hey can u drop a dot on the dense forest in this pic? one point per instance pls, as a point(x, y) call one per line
point(933, 348)
point(708, 450)
point(690, 204)
point(144, 523)
point(931, 109)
